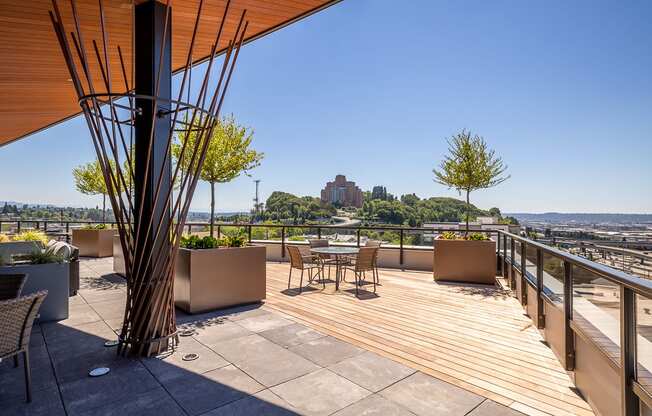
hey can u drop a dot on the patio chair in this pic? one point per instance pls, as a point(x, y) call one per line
point(11, 285)
point(16, 320)
point(364, 261)
point(375, 243)
point(302, 262)
point(325, 259)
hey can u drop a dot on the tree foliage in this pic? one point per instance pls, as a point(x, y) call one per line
point(282, 206)
point(470, 166)
point(228, 155)
point(89, 180)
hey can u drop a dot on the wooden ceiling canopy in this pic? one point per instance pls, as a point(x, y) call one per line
point(35, 87)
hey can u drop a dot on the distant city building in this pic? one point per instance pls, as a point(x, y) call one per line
point(342, 192)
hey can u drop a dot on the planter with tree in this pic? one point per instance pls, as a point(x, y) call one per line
point(93, 240)
point(469, 166)
point(212, 274)
point(227, 157)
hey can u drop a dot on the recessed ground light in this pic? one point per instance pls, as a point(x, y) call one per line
point(99, 372)
point(190, 357)
point(186, 333)
point(111, 343)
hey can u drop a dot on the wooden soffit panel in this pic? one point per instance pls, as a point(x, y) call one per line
point(35, 87)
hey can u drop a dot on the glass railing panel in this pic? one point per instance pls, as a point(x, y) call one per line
point(517, 252)
point(596, 310)
point(553, 277)
point(385, 236)
point(644, 342)
point(418, 238)
point(531, 260)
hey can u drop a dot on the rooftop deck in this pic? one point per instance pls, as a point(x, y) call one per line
point(418, 347)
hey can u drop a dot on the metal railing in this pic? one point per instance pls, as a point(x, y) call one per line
point(64, 229)
point(633, 391)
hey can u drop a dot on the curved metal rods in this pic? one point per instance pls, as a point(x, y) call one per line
point(149, 325)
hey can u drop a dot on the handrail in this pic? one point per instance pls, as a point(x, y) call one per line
point(639, 285)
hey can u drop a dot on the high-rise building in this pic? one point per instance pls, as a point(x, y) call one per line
point(342, 192)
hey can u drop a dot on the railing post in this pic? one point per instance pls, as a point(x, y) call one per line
point(37, 225)
point(523, 269)
point(505, 265)
point(540, 317)
point(319, 233)
point(401, 248)
point(629, 400)
point(18, 227)
point(512, 252)
point(249, 233)
point(358, 237)
point(569, 340)
point(45, 226)
point(189, 229)
point(498, 243)
point(283, 242)
point(219, 232)
point(67, 231)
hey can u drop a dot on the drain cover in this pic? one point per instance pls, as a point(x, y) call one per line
point(190, 357)
point(111, 343)
point(186, 333)
point(99, 371)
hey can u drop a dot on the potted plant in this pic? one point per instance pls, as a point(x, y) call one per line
point(45, 271)
point(93, 240)
point(212, 273)
point(469, 166)
point(22, 243)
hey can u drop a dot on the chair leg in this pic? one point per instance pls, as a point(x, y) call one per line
point(290, 277)
point(301, 282)
point(28, 377)
point(356, 284)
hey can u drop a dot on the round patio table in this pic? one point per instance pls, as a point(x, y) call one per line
point(338, 253)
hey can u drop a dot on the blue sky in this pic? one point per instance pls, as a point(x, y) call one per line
point(561, 90)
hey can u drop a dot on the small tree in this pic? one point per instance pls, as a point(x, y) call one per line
point(90, 181)
point(227, 157)
point(469, 166)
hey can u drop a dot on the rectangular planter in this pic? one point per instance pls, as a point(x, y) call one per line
point(53, 277)
point(118, 257)
point(217, 278)
point(93, 243)
point(465, 261)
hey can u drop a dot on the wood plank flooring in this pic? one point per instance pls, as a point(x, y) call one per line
point(473, 337)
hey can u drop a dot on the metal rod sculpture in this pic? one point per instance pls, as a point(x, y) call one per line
point(111, 111)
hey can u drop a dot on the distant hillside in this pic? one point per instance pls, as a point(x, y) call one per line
point(584, 218)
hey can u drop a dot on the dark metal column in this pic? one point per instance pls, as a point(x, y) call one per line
point(151, 130)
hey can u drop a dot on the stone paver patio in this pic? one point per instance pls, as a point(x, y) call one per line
point(252, 361)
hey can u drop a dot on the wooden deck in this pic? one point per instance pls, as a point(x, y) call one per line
point(473, 337)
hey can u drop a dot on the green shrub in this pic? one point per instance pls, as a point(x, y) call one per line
point(94, 227)
point(449, 235)
point(194, 242)
point(42, 257)
point(478, 237)
point(233, 241)
point(32, 235)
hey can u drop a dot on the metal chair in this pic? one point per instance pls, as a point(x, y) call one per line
point(364, 261)
point(16, 320)
point(326, 259)
point(301, 262)
point(375, 243)
point(11, 285)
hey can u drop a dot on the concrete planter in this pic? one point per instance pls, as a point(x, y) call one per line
point(12, 248)
point(93, 243)
point(465, 261)
point(217, 278)
point(53, 277)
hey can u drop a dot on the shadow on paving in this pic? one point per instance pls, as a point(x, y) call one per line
point(61, 357)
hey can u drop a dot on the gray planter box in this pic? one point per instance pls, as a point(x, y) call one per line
point(218, 278)
point(53, 277)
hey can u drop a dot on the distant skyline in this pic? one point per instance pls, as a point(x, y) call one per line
point(561, 90)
